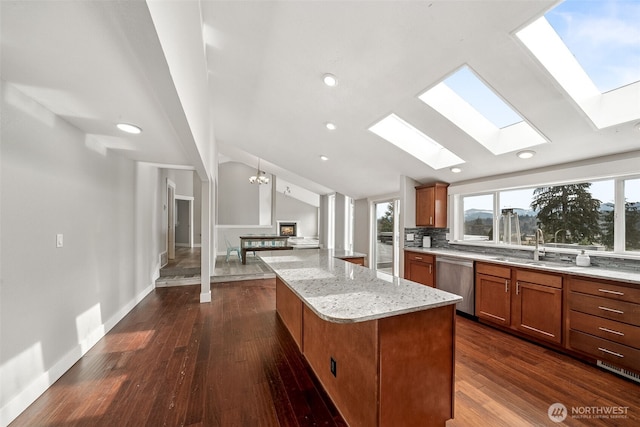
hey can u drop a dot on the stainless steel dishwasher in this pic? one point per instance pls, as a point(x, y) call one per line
point(455, 275)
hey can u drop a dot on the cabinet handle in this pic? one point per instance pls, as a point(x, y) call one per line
point(517, 287)
point(418, 258)
point(611, 331)
point(607, 291)
point(610, 352)
point(430, 269)
point(506, 286)
point(613, 310)
point(430, 220)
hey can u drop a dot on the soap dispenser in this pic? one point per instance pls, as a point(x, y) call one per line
point(583, 260)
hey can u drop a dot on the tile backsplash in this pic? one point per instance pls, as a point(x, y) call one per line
point(438, 237)
point(438, 240)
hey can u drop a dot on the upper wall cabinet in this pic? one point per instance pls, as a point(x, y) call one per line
point(431, 205)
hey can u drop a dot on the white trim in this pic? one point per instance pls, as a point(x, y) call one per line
point(28, 395)
point(205, 297)
point(223, 226)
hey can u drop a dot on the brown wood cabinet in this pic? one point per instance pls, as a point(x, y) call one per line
point(420, 268)
point(357, 260)
point(527, 301)
point(392, 371)
point(431, 205)
point(537, 308)
point(603, 321)
point(493, 296)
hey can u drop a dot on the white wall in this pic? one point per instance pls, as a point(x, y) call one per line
point(341, 221)
point(55, 303)
point(362, 227)
point(238, 200)
point(291, 209)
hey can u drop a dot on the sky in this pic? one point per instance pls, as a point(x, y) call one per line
point(604, 36)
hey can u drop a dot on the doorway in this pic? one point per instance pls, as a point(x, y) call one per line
point(171, 222)
point(385, 232)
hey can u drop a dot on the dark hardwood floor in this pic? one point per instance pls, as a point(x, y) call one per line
point(175, 362)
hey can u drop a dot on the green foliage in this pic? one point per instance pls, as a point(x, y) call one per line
point(570, 208)
point(385, 223)
point(632, 227)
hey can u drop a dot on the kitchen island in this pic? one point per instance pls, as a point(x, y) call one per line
point(382, 347)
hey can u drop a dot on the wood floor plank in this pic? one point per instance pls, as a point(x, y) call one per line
point(173, 361)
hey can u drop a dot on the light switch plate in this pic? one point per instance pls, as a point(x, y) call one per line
point(410, 237)
point(59, 240)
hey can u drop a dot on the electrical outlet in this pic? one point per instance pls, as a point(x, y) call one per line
point(59, 240)
point(334, 367)
point(410, 237)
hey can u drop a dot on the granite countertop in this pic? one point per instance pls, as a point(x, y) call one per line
point(551, 266)
point(341, 292)
point(342, 254)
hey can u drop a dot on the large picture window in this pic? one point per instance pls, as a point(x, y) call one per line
point(632, 214)
point(478, 217)
point(571, 216)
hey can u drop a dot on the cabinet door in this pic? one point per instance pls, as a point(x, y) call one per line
point(425, 206)
point(493, 299)
point(538, 311)
point(421, 272)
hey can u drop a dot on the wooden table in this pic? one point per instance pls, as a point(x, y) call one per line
point(262, 243)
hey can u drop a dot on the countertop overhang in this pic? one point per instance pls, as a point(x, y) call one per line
point(551, 266)
point(342, 292)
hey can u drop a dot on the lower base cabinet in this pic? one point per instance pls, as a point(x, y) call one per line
point(394, 371)
point(524, 300)
point(603, 321)
point(419, 268)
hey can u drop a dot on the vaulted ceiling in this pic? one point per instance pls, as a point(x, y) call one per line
point(97, 63)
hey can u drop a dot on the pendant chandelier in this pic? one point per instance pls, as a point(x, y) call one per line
point(260, 177)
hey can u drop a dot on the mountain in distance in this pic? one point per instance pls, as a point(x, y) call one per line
point(471, 214)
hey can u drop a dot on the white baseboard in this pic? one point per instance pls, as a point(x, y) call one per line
point(19, 403)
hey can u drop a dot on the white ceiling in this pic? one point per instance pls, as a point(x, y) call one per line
point(97, 63)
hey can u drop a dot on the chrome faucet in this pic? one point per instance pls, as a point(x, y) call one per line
point(538, 251)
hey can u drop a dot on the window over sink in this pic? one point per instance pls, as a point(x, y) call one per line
point(573, 215)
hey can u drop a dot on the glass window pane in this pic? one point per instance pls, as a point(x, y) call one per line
point(632, 214)
point(518, 222)
point(478, 217)
point(579, 216)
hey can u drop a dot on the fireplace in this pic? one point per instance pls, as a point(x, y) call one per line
point(287, 228)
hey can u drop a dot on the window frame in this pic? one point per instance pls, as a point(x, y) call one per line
point(457, 215)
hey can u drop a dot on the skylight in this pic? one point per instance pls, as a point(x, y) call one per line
point(470, 88)
point(411, 140)
point(615, 33)
point(604, 36)
point(469, 104)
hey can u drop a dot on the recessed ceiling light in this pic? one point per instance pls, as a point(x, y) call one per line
point(330, 80)
point(526, 154)
point(455, 170)
point(330, 126)
point(129, 128)
point(324, 158)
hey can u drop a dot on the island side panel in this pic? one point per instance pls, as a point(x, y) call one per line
point(289, 308)
point(417, 368)
point(354, 347)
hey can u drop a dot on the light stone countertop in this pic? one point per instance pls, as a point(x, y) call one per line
point(551, 266)
point(341, 292)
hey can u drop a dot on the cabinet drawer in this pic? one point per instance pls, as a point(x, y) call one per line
point(604, 307)
point(415, 256)
point(602, 349)
point(622, 293)
point(619, 332)
point(493, 270)
point(539, 278)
